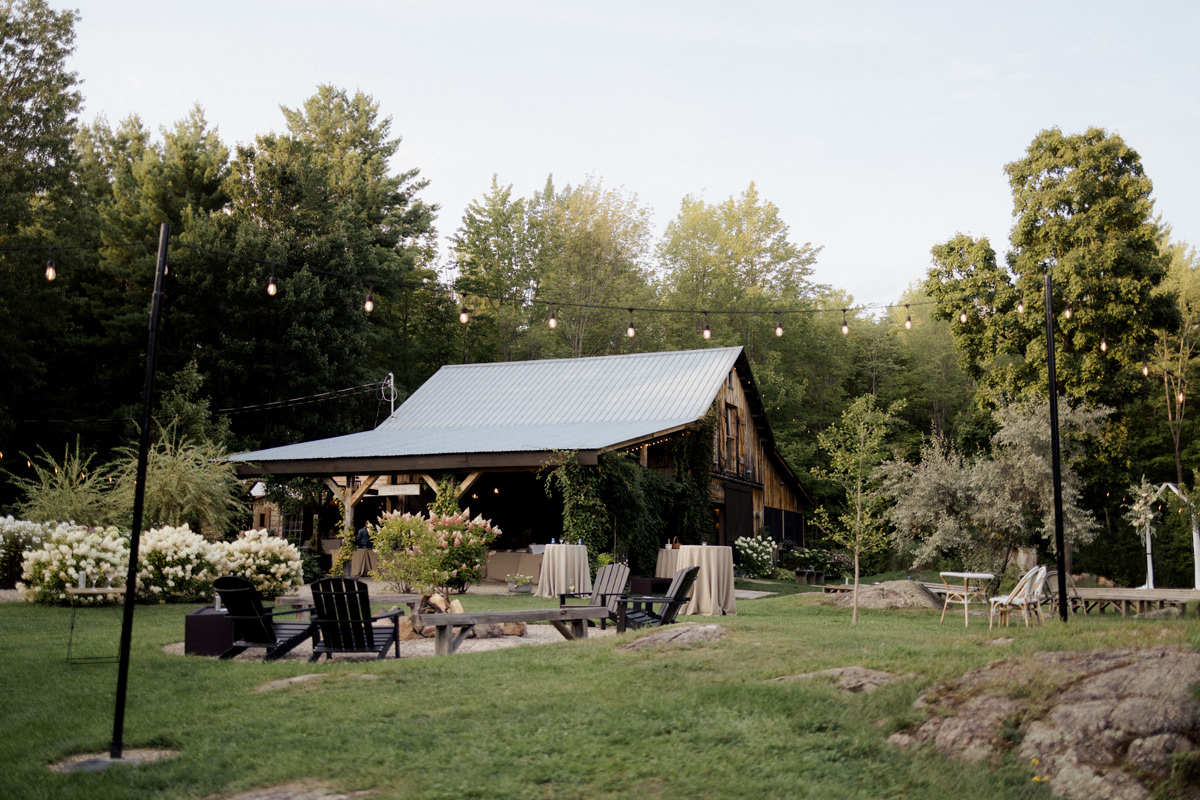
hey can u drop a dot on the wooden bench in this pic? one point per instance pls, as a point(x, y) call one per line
point(570, 621)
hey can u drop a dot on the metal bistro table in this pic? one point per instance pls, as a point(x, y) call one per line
point(973, 585)
point(80, 594)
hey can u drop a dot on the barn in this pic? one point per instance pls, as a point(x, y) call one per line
point(487, 432)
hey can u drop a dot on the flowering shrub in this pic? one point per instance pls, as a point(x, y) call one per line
point(272, 564)
point(834, 564)
point(176, 564)
point(443, 553)
point(754, 556)
point(16, 536)
point(101, 555)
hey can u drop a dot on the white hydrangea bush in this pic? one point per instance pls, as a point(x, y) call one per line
point(100, 554)
point(754, 555)
point(272, 564)
point(16, 536)
point(176, 564)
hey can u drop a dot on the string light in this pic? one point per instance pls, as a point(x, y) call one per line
point(1067, 311)
point(1104, 343)
point(778, 325)
point(463, 315)
point(51, 273)
point(962, 316)
point(271, 287)
point(1145, 368)
point(907, 318)
point(707, 330)
point(370, 304)
point(630, 332)
point(845, 325)
point(1020, 306)
point(553, 321)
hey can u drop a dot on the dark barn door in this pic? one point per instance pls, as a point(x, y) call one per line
point(739, 513)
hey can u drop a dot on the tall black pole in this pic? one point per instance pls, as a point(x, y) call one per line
point(1055, 468)
point(139, 494)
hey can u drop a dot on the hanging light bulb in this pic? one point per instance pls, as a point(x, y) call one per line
point(962, 316)
point(845, 326)
point(1103, 345)
point(271, 287)
point(1180, 396)
point(369, 306)
point(907, 318)
point(778, 325)
point(1067, 311)
point(51, 273)
point(553, 321)
point(1145, 368)
point(630, 332)
point(1020, 306)
point(463, 315)
point(707, 330)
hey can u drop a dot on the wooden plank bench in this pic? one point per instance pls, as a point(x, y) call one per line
point(570, 621)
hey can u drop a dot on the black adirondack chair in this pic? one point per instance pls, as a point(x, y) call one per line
point(610, 583)
point(342, 611)
point(254, 624)
point(638, 610)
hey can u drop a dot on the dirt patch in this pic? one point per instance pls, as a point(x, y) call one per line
point(1098, 725)
point(299, 790)
point(890, 594)
point(95, 762)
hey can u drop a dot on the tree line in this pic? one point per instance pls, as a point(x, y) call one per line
point(320, 214)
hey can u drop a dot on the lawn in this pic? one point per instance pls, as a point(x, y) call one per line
point(570, 720)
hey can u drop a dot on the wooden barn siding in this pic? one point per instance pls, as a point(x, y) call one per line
point(758, 467)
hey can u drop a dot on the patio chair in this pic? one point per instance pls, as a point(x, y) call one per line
point(606, 588)
point(1050, 589)
point(637, 610)
point(254, 625)
point(1025, 596)
point(342, 612)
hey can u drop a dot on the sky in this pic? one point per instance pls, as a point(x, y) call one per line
point(878, 129)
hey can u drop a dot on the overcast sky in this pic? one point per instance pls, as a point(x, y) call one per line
point(879, 129)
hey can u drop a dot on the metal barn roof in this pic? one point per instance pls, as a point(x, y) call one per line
point(583, 404)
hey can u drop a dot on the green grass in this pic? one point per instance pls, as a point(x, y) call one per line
point(571, 720)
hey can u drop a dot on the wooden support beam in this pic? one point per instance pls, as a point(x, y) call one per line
point(466, 484)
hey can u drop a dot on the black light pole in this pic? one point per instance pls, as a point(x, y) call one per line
point(139, 495)
point(1055, 469)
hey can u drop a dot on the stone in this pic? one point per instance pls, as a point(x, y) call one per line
point(513, 628)
point(851, 679)
point(676, 636)
point(1098, 725)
